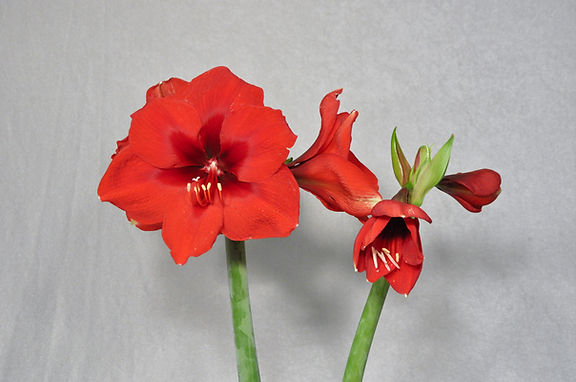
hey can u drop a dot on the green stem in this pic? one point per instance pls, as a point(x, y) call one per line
point(241, 314)
point(365, 332)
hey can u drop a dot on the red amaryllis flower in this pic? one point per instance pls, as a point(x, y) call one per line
point(474, 189)
point(202, 158)
point(330, 171)
point(388, 245)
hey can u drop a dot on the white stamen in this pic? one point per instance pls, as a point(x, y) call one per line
point(397, 257)
point(188, 187)
point(208, 186)
point(374, 252)
point(392, 260)
point(381, 256)
point(203, 188)
point(386, 251)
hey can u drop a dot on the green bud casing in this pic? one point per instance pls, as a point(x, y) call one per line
point(399, 163)
point(430, 172)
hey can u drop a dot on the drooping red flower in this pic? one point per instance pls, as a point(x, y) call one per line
point(202, 158)
point(474, 189)
point(388, 245)
point(330, 171)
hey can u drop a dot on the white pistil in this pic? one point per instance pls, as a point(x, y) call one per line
point(374, 254)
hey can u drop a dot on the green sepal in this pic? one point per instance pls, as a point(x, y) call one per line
point(399, 163)
point(288, 161)
point(430, 173)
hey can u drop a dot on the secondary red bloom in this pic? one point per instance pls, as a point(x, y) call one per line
point(474, 189)
point(202, 158)
point(388, 245)
point(330, 171)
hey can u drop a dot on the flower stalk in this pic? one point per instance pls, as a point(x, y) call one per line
point(365, 333)
point(246, 359)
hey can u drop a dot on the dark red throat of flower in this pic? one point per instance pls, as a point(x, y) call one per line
point(206, 188)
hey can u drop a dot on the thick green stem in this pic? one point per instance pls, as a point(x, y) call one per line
point(365, 333)
point(241, 314)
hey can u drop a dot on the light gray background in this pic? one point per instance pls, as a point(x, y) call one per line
point(87, 297)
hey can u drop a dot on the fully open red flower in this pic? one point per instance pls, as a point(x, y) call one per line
point(474, 189)
point(202, 158)
point(388, 245)
point(330, 171)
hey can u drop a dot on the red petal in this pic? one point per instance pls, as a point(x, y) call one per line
point(375, 230)
point(368, 175)
point(189, 230)
point(411, 244)
point(394, 208)
point(213, 94)
point(165, 134)
point(366, 236)
point(258, 210)
point(146, 227)
point(140, 189)
point(254, 141)
point(166, 89)
point(120, 145)
point(403, 280)
point(342, 138)
point(359, 245)
point(339, 184)
point(373, 273)
point(360, 261)
point(328, 112)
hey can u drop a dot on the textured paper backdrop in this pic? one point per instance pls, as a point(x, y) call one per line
point(87, 297)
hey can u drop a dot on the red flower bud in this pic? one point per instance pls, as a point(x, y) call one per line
point(472, 190)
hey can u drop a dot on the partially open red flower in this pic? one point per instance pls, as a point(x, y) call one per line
point(330, 171)
point(388, 245)
point(474, 189)
point(202, 158)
